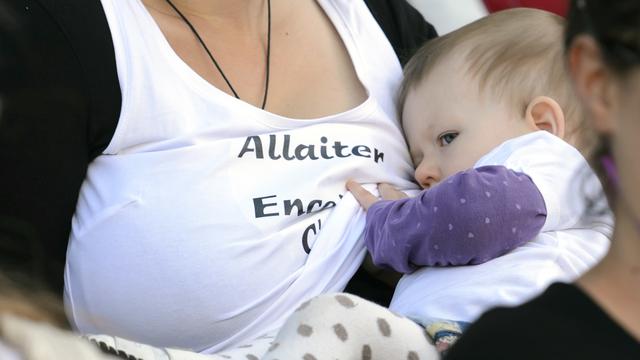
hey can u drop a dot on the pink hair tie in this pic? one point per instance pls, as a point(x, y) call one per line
point(610, 170)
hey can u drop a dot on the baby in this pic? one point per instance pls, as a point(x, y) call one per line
point(494, 131)
point(496, 137)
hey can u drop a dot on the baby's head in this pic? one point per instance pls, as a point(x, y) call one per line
point(498, 78)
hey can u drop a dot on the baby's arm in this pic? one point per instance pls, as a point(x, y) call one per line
point(469, 218)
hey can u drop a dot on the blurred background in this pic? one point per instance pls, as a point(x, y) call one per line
point(448, 15)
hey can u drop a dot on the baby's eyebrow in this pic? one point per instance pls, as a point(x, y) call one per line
point(432, 128)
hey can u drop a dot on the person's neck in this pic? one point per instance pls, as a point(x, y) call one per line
point(241, 14)
point(615, 283)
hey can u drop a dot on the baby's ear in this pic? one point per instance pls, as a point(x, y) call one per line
point(544, 113)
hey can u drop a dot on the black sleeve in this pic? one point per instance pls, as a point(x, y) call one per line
point(484, 339)
point(53, 123)
point(562, 323)
point(525, 332)
point(404, 26)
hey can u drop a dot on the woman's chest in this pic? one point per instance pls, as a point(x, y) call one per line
point(309, 68)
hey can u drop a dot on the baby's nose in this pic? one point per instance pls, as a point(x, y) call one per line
point(427, 174)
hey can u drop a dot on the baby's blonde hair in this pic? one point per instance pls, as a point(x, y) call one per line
point(515, 54)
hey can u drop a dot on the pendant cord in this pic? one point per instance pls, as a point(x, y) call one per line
point(268, 65)
point(197, 35)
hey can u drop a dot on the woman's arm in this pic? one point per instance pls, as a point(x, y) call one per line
point(469, 218)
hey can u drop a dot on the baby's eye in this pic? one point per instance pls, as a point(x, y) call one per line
point(446, 139)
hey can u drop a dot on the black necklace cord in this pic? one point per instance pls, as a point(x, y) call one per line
point(268, 60)
point(197, 35)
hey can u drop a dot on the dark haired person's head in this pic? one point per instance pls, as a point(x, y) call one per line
point(613, 25)
point(603, 53)
point(603, 57)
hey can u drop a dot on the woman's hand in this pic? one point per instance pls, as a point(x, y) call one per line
point(366, 199)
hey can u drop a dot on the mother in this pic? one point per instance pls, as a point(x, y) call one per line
point(201, 148)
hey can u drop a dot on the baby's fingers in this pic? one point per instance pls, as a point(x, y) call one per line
point(364, 197)
point(388, 192)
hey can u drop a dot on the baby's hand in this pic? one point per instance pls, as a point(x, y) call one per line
point(366, 199)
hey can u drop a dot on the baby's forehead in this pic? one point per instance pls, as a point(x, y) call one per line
point(450, 80)
point(456, 58)
point(453, 71)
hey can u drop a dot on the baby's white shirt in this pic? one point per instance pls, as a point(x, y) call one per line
point(571, 241)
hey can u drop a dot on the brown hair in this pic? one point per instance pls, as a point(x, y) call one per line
point(516, 54)
point(20, 295)
point(614, 25)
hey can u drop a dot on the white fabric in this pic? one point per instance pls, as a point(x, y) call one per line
point(8, 353)
point(134, 350)
point(570, 241)
point(29, 340)
point(169, 246)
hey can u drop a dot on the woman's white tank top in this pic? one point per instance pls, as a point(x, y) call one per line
point(207, 221)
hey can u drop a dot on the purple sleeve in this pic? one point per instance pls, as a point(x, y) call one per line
point(469, 218)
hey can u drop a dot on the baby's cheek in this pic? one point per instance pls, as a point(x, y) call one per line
point(463, 159)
